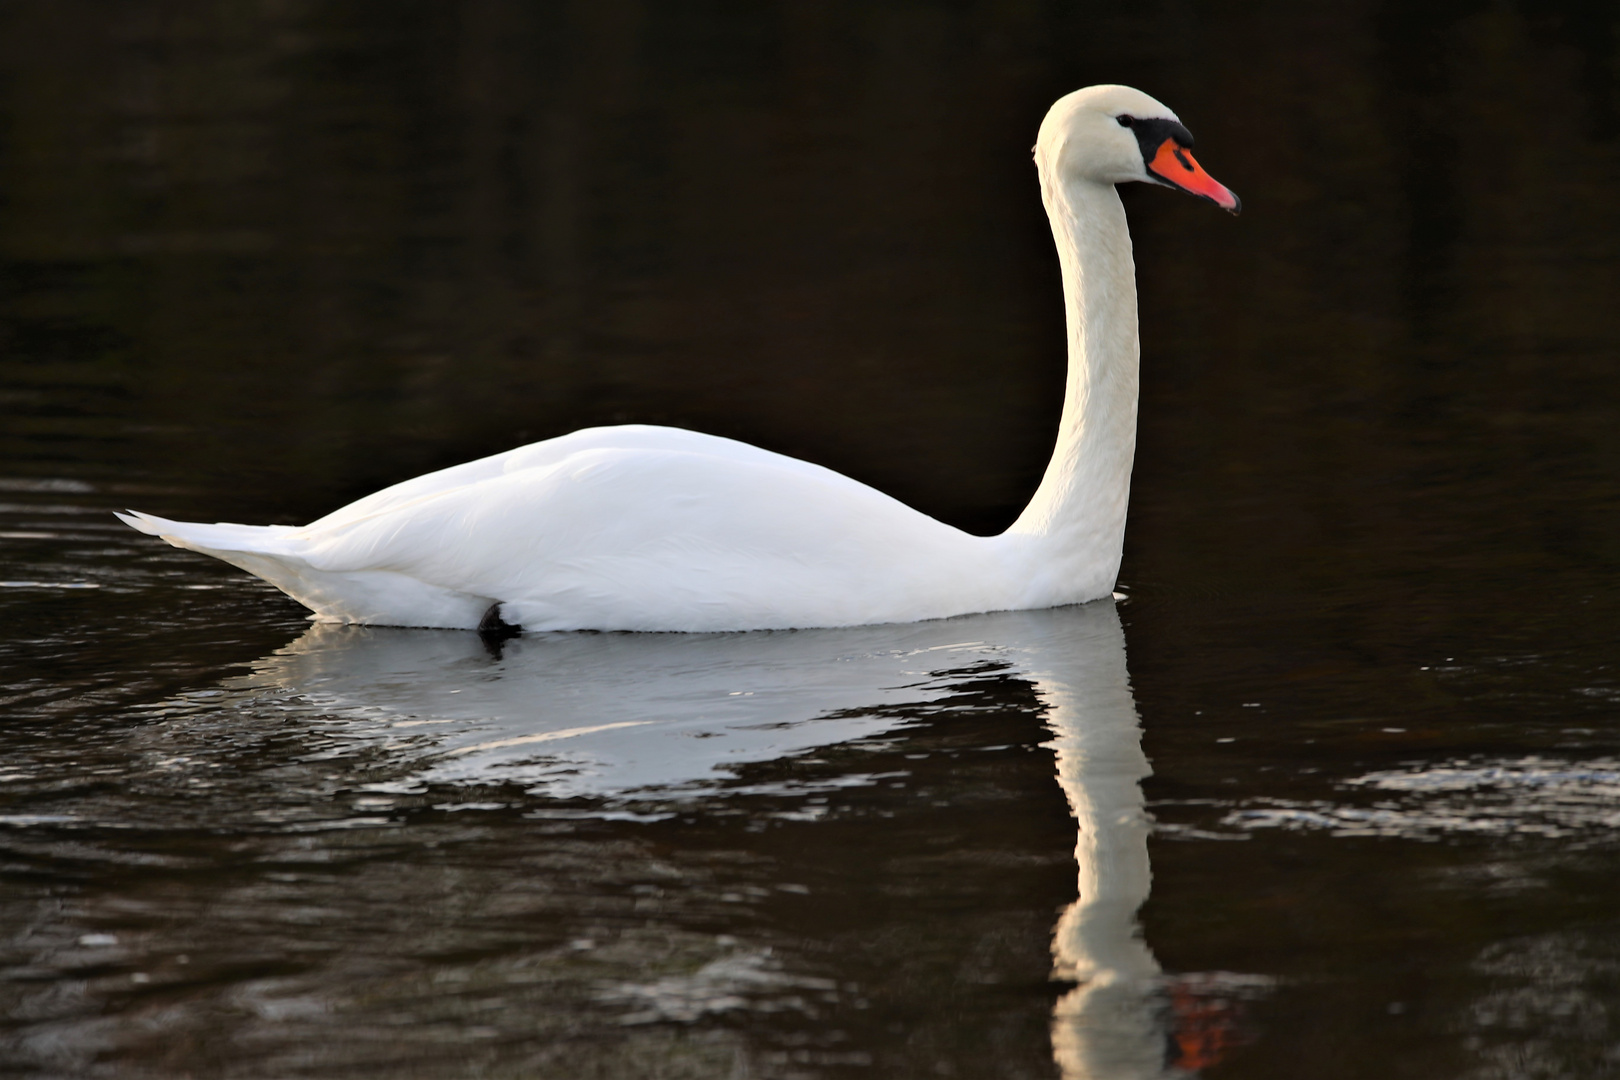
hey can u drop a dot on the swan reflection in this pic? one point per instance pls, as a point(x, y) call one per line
point(645, 718)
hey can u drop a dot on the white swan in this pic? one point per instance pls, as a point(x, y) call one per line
point(650, 528)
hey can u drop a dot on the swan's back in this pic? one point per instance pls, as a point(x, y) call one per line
point(548, 452)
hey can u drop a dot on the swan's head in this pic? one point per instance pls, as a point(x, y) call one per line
point(1113, 134)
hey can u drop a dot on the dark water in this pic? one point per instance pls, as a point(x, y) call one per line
point(259, 259)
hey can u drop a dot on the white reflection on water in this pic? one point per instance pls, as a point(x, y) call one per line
point(609, 715)
point(1108, 1026)
point(1530, 796)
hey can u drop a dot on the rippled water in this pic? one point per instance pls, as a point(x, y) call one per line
point(1333, 790)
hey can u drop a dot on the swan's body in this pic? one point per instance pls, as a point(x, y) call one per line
point(625, 528)
point(650, 528)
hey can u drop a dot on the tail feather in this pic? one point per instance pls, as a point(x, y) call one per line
point(273, 553)
point(254, 548)
point(211, 539)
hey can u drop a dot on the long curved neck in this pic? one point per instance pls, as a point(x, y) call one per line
point(1077, 515)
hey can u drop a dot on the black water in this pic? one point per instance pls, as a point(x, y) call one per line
point(259, 259)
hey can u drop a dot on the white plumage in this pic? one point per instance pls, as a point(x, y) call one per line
point(629, 528)
point(652, 528)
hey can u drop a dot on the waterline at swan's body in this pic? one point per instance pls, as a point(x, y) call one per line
point(651, 528)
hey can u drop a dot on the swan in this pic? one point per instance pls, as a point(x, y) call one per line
point(637, 527)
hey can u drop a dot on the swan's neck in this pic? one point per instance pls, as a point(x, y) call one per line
point(1077, 518)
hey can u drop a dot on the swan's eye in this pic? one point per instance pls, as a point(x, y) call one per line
point(1126, 120)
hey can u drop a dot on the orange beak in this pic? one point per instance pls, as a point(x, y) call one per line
point(1174, 164)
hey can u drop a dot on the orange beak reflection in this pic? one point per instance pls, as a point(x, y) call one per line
point(1175, 165)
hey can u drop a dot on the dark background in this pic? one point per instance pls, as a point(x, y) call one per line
point(291, 251)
